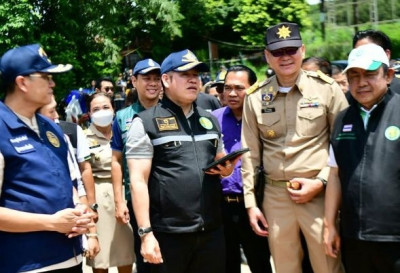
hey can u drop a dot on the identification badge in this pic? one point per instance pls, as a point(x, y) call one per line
point(167, 124)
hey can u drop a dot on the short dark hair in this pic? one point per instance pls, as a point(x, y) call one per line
point(336, 69)
point(103, 79)
point(90, 98)
point(376, 36)
point(323, 64)
point(252, 77)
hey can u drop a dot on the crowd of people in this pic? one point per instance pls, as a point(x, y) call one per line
point(316, 192)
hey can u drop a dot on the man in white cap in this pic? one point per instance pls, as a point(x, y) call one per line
point(39, 224)
point(364, 181)
point(176, 204)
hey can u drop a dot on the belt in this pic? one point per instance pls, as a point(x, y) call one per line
point(276, 183)
point(233, 198)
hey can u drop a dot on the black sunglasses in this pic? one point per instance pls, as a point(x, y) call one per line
point(109, 88)
point(284, 51)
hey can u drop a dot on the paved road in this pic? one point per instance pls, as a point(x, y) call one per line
point(87, 269)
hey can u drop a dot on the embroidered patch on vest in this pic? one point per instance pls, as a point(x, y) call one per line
point(206, 123)
point(167, 124)
point(392, 133)
point(53, 139)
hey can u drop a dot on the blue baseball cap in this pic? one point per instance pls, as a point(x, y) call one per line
point(182, 61)
point(26, 60)
point(145, 66)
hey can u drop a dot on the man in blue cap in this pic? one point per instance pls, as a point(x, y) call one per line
point(176, 204)
point(39, 224)
point(146, 79)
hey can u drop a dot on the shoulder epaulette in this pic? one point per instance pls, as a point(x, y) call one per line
point(257, 85)
point(320, 75)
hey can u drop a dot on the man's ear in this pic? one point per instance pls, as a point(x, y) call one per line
point(166, 80)
point(20, 81)
point(389, 75)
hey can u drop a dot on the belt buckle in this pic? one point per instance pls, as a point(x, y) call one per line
point(235, 199)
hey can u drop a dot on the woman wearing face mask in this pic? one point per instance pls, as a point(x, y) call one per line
point(116, 239)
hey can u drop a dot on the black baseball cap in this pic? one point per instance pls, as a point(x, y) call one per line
point(283, 35)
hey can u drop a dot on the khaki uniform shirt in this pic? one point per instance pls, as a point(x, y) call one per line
point(100, 154)
point(289, 132)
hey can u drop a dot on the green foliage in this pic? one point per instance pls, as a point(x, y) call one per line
point(255, 16)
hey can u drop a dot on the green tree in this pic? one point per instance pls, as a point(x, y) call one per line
point(256, 15)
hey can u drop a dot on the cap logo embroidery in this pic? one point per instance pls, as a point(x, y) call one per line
point(284, 32)
point(151, 63)
point(43, 54)
point(189, 57)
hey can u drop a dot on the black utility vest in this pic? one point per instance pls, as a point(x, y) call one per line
point(369, 170)
point(182, 197)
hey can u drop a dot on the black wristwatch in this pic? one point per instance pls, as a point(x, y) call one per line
point(324, 182)
point(143, 231)
point(94, 207)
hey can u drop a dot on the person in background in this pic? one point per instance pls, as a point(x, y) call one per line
point(317, 63)
point(167, 148)
point(286, 124)
point(90, 243)
point(368, 36)
point(218, 86)
point(147, 85)
point(237, 229)
point(207, 101)
point(340, 78)
point(365, 184)
point(105, 85)
point(40, 226)
point(115, 238)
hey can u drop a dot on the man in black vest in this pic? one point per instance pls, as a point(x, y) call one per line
point(177, 204)
point(364, 178)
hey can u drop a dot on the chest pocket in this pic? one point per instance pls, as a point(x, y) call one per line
point(311, 121)
point(270, 125)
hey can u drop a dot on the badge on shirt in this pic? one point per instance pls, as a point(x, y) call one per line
point(53, 139)
point(270, 134)
point(347, 128)
point(267, 97)
point(20, 144)
point(206, 123)
point(309, 102)
point(167, 124)
point(392, 133)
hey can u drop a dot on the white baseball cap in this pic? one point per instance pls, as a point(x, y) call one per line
point(368, 57)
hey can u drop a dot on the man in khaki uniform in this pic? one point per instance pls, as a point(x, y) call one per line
point(287, 120)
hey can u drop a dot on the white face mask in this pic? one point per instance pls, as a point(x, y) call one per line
point(102, 118)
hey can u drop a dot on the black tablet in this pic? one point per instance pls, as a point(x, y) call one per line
point(230, 156)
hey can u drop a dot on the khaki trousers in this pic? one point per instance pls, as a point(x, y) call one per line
point(285, 219)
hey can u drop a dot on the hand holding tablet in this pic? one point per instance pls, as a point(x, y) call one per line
point(223, 160)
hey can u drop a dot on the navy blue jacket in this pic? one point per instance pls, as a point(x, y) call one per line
point(36, 180)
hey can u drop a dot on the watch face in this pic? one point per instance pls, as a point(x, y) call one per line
point(94, 206)
point(144, 231)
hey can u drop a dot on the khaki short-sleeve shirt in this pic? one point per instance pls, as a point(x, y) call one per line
point(289, 132)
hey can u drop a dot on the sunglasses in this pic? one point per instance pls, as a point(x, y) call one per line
point(284, 51)
point(109, 88)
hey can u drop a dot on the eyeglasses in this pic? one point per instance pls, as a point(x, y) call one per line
point(47, 77)
point(108, 88)
point(284, 51)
